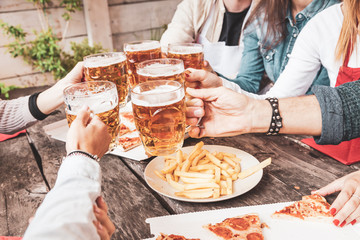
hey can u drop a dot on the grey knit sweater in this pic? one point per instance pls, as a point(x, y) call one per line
point(340, 110)
point(15, 115)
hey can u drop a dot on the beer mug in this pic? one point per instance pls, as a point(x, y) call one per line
point(161, 69)
point(159, 113)
point(137, 52)
point(102, 99)
point(108, 67)
point(191, 53)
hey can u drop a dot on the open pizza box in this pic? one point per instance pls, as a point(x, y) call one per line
point(58, 130)
point(190, 225)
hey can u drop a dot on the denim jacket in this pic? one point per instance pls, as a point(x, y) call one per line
point(257, 58)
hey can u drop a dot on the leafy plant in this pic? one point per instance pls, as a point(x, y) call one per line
point(6, 89)
point(45, 52)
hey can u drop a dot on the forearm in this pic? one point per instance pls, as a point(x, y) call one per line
point(51, 99)
point(67, 212)
point(300, 115)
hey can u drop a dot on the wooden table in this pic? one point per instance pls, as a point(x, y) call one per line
point(295, 171)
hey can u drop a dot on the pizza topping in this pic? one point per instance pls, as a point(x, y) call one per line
point(173, 237)
point(247, 227)
point(310, 207)
point(222, 232)
point(255, 236)
point(238, 223)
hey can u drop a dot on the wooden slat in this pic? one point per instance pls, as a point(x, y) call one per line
point(16, 5)
point(120, 39)
point(22, 187)
point(141, 16)
point(29, 21)
point(98, 23)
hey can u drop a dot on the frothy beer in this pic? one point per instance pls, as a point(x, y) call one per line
point(191, 53)
point(159, 113)
point(137, 52)
point(102, 99)
point(108, 67)
point(161, 69)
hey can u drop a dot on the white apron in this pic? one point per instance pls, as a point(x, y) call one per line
point(223, 59)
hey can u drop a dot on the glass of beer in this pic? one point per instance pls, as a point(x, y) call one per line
point(102, 99)
point(161, 69)
point(108, 67)
point(159, 113)
point(137, 52)
point(191, 53)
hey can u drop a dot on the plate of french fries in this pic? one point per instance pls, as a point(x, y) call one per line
point(204, 173)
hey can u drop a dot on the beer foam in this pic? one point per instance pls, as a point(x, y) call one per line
point(186, 50)
point(98, 103)
point(161, 96)
point(142, 46)
point(103, 61)
point(160, 70)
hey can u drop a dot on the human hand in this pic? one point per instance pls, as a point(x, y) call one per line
point(346, 207)
point(208, 67)
point(223, 111)
point(199, 78)
point(104, 226)
point(74, 76)
point(88, 134)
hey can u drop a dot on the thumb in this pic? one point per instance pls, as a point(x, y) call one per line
point(329, 189)
point(206, 94)
point(83, 117)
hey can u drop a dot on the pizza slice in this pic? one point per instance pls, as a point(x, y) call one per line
point(309, 208)
point(128, 142)
point(238, 228)
point(173, 237)
point(124, 129)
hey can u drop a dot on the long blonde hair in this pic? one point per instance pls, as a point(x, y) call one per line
point(350, 28)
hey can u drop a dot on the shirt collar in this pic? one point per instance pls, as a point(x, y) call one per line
point(309, 11)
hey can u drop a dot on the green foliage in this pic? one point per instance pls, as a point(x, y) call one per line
point(44, 53)
point(6, 89)
point(155, 34)
point(79, 51)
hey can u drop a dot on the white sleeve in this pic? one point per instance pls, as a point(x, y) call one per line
point(303, 66)
point(67, 210)
point(231, 85)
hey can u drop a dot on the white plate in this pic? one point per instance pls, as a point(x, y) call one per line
point(240, 186)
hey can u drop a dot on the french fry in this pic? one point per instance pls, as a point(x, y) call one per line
point(225, 173)
point(196, 194)
point(230, 155)
point(219, 155)
point(201, 186)
point(202, 167)
point(223, 188)
point(170, 168)
point(229, 161)
point(179, 157)
point(187, 180)
point(194, 175)
point(174, 184)
point(204, 161)
point(198, 157)
point(254, 169)
point(189, 160)
point(176, 177)
point(214, 159)
point(216, 193)
point(229, 186)
point(217, 174)
point(160, 175)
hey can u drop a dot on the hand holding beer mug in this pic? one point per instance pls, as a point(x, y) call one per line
point(159, 113)
point(191, 53)
point(102, 99)
point(108, 67)
point(137, 52)
point(161, 69)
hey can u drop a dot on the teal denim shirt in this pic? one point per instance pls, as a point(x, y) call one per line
point(256, 58)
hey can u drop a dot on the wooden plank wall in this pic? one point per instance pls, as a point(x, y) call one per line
point(129, 20)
